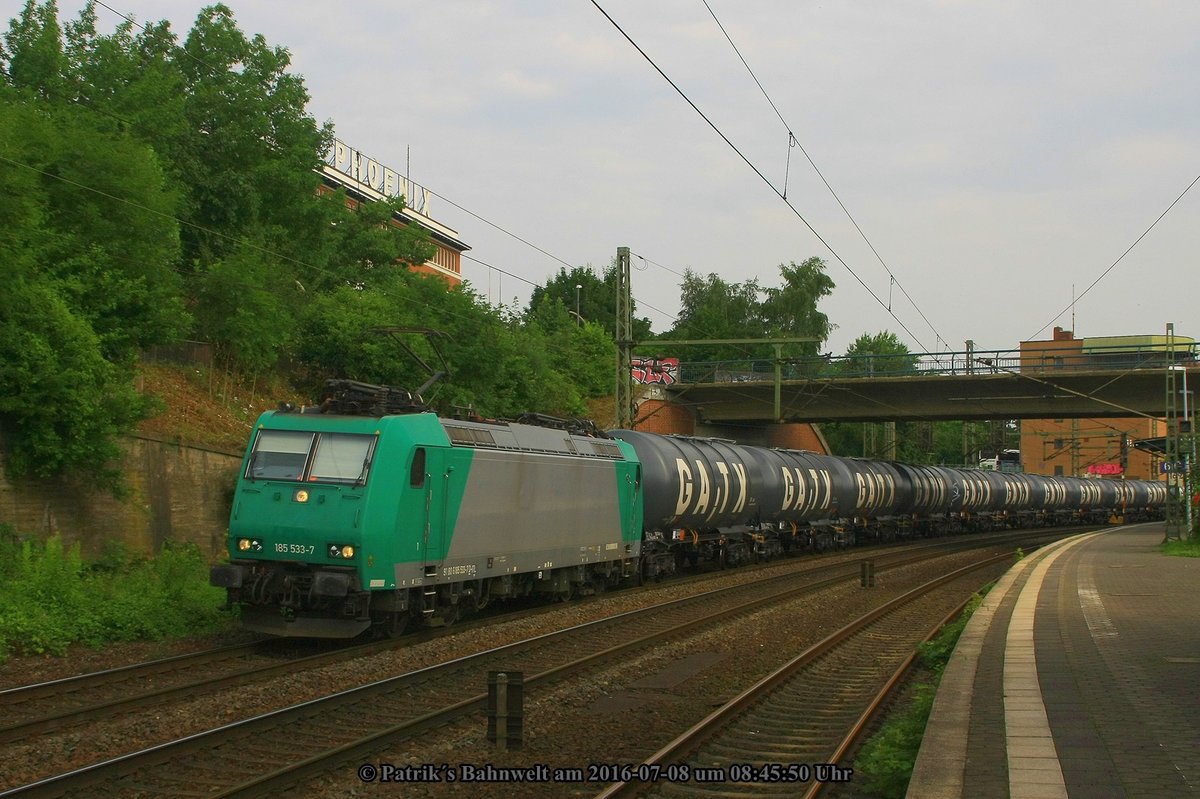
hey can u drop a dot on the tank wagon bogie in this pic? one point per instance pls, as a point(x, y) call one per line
point(343, 522)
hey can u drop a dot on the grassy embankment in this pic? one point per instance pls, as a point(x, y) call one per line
point(50, 598)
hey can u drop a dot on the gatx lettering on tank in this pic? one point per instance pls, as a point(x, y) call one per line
point(802, 495)
point(698, 485)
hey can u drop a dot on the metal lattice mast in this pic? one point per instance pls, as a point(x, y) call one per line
point(1174, 526)
point(624, 328)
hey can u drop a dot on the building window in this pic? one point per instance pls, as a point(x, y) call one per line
point(1058, 443)
point(1058, 471)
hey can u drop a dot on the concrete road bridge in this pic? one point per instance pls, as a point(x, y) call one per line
point(972, 385)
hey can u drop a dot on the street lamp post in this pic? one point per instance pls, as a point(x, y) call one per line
point(578, 288)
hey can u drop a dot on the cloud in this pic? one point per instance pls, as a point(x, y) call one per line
point(524, 86)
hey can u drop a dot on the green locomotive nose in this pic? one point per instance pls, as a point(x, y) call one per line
point(296, 526)
point(301, 496)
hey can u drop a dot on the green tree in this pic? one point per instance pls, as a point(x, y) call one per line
point(525, 366)
point(250, 162)
point(62, 404)
point(880, 353)
point(88, 280)
point(790, 310)
point(242, 305)
point(34, 62)
point(132, 78)
point(596, 296)
point(711, 308)
point(114, 261)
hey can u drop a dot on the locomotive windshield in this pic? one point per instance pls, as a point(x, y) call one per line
point(342, 458)
point(279, 455)
point(290, 455)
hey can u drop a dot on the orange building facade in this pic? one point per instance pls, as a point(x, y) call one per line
point(1092, 447)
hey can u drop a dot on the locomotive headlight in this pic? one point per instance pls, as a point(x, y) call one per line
point(302, 495)
point(339, 550)
point(347, 551)
point(243, 544)
point(249, 545)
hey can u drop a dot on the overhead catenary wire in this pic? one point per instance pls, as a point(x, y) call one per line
point(757, 172)
point(1113, 265)
point(794, 141)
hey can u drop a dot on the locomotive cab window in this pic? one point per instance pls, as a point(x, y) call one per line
point(279, 455)
point(342, 458)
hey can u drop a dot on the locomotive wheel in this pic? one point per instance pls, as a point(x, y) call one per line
point(392, 626)
point(449, 614)
point(397, 624)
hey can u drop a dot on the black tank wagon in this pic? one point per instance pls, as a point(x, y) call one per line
point(713, 499)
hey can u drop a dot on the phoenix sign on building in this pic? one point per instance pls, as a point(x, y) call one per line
point(367, 180)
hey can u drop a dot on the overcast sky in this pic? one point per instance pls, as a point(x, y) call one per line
point(999, 156)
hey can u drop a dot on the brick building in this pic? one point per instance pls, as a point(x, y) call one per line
point(367, 180)
point(1099, 447)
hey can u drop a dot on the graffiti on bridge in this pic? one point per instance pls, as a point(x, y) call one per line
point(662, 371)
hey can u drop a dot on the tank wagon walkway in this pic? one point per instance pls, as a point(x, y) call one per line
point(1079, 676)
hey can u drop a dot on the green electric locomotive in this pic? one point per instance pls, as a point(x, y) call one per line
point(346, 521)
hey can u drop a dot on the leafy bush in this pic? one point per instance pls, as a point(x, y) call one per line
point(886, 760)
point(50, 598)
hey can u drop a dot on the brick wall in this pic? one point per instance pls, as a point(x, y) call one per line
point(665, 418)
point(796, 436)
point(660, 416)
point(177, 493)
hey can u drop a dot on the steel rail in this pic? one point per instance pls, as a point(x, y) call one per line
point(303, 712)
point(710, 727)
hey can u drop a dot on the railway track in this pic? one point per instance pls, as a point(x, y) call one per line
point(786, 734)
point(44, 707)
point(41, 708)
point(283, 747)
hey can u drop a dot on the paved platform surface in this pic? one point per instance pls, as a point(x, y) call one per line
point(1079, 677)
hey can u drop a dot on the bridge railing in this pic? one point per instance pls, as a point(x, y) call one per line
point(973, 362)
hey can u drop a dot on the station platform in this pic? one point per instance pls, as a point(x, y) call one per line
point(1078, 676)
